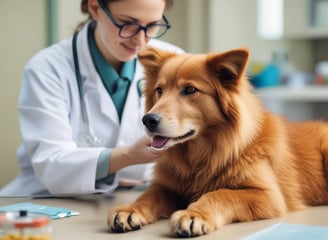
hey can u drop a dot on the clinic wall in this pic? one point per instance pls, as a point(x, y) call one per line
point(22, 25)
point(189, 20)
point(69, 16)
point(233, 24)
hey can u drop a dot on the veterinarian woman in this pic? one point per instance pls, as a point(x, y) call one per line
point(80, 105)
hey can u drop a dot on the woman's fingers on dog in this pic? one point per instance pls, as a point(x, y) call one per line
point(187, 223)
point(124, 221)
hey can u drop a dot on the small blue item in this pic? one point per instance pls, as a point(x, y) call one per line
point(53, 212)
point(269, 77)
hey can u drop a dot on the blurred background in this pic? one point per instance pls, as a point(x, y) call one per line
point(288, 41)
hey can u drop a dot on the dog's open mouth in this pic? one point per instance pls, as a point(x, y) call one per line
point(162, 143)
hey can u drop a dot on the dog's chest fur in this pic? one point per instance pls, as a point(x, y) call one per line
point(200, 178)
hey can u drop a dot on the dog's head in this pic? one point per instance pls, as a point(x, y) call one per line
point(187, 95)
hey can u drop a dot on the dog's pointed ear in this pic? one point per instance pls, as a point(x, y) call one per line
point(229, 66)
point(152, 59)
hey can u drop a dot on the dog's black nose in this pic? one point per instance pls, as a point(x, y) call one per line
point(151, 121)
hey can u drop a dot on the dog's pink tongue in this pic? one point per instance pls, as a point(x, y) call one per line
point(159, 142)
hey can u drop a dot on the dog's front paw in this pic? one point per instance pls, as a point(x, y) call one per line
point(124, 220)
point(188, 223)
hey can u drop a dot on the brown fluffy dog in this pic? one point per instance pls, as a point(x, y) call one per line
point(225, 158)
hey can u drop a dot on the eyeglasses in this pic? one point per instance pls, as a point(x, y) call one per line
point(129, 30)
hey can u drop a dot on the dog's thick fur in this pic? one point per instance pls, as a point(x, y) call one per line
point(227, 158)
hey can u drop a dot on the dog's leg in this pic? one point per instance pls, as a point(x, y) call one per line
point(215, 209)
point(155, 203)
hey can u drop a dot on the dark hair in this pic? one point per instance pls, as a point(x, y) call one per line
point(84, 10)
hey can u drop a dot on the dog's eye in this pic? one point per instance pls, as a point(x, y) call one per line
point(189, 90)
point(159, 90)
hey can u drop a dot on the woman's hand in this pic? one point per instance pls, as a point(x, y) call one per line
point(141, 151)
point(138, 153)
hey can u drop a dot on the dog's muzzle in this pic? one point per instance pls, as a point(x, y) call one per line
point(160, 142)
point(151, 121)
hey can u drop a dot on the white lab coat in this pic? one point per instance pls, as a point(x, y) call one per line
point(49, 157)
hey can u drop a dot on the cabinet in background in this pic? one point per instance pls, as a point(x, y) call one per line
point(305, 19)
point(296, 104)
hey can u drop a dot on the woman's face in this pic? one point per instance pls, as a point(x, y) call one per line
point(114, 48)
